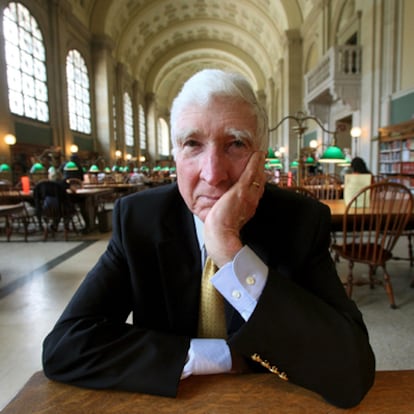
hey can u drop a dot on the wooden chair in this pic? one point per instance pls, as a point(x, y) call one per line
point(324, 186)
point(285, 181)
point(53, 206)
point(26, 219)
point(374, 220)
point(408, 233)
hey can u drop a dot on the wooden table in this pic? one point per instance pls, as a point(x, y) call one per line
point(118, 187)
point(338, 207)
point(88, 200)
point(221, 394)
point(7, 210)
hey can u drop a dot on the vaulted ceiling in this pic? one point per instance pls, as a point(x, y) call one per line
point(163, 42)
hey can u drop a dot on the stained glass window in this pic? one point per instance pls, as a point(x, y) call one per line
point(26, 63)
point(78, 93)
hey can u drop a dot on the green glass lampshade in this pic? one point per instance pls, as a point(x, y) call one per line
point(70, 166)
point(4, 168)
point(94, 168)
point(271, 153)
point(157, 168)
point(275, 163)
point(333, 155)
point(294, 164)
point(309, 161)
point(107, 170)
point(126, 169)
point(37, 168)
point(346, 162)
point(115, 168)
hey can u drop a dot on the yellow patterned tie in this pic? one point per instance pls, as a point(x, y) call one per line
point(212, 323)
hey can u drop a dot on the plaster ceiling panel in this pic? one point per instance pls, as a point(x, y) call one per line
point(163, 41)
point(173, 74)
point(159, 25)
point(221, 34)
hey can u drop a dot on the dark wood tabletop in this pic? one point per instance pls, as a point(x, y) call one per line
point(222, 394)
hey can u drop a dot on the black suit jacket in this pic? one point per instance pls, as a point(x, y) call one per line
point(304, 324)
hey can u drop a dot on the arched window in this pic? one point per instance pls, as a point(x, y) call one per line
point(78, 93)
point(128, 121)
point(142, 129)
point(114, 118)
point(163, 138)
point(26, 63)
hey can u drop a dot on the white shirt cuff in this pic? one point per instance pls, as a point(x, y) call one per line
point(242, 281)
point(207, 356)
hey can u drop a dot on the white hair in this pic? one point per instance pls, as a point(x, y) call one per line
point(207, 84)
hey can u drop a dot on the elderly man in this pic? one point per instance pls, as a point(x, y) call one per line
point(284, 308)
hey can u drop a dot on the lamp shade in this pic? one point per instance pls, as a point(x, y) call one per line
point(333, 155)
point(274, 163)
point(10, 139)
point(309, 161)
point(94, 168)
point(271, 153)
point(294, 164)
point(37, 168)
point(356, 132)
point(4, 167)
point(70, 166)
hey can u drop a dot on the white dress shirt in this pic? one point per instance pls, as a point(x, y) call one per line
point(240, 282)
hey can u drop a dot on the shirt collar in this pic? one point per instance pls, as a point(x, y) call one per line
point(199, 225)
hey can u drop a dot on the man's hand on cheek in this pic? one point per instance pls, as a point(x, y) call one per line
point(233, 210)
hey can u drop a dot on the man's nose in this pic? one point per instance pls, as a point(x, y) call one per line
point(214, 168)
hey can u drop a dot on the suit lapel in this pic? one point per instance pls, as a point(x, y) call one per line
point(180, 264)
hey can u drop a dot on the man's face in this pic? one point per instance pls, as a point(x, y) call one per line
point(215, 143)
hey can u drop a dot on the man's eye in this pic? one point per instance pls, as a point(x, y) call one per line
point(191, 143)
point(238, 143)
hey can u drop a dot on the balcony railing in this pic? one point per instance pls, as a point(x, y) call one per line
point(339, 74)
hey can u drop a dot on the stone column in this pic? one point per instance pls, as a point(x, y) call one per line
point(104, 91)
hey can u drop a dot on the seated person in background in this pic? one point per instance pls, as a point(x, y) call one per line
point(137, 177)
point(358, 166)
point(73, 168)
point(286, 310)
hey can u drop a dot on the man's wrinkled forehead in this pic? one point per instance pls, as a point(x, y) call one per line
point(187, 132)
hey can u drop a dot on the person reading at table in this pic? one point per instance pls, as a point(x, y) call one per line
point(284, 309)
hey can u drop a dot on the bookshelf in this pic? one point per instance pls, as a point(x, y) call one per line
point(396, 152)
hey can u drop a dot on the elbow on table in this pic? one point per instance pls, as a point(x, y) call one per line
point(53, 360)
point(352, 390)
